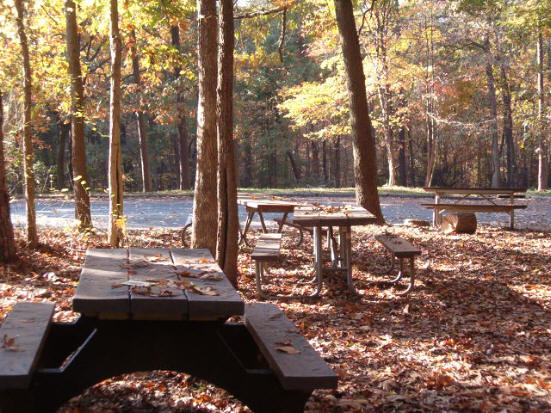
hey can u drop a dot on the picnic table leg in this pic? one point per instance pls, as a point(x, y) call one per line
point(250, 215)
point(512, 219)
point(318, 263)
point(332, 244)
point(436, 217)
point(411, 276)
point(262, 221)
point(283, 221)
point(346, 255)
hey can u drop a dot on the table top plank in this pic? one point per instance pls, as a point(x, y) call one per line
point(474, 191)
point(102, 269)
point(316, 216)
point(475, 207)
point(199, 262)
point(155, 265)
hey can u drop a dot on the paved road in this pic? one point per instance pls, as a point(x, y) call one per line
point(172, 212)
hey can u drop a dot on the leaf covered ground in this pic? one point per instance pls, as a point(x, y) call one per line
point(474, 335)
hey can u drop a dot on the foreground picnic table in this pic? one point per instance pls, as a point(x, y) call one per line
point(156, 309)
point(342, 219)
point(488, 197)
point(262, 205)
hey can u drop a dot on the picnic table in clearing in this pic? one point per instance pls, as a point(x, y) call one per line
point(488, 196)
point(156, 309)
point(260, 206)
point(343, 218)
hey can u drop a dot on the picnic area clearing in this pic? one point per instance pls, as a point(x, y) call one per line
point(472, 334)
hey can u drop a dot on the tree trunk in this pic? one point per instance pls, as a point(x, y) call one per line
point(184, 181)
point(78, 153)
point(365, 164)
point(28, 151)
point(496, 177)
point(337, 162)
point(116, 223)
point(228, 223)
point(315, 161)
point(324, 162)
point(508, 126)
point(296, 171)
point(542, 155)
point(63, 133)
point(7, 242)
point(204, 201)
point(402, 164)
point(142, 134)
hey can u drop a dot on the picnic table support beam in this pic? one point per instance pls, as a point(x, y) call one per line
point(318, 261)
point(436, 214)
point(209, 351)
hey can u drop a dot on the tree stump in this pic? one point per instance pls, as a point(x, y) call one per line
point(416, 223)
point(460, 223)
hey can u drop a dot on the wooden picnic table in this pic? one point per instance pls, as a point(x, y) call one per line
point(263, 205)
point(146, 309)
point(488, 196)
point(341, 249)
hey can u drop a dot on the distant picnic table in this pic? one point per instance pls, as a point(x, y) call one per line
point(486, 200)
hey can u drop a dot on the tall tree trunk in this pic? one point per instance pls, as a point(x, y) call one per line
point(142, 134)
point(496, 176)
point(228, 223)
point(116, 223)
point(365, 163)
point(63, 133)
point(542, 153)
point(402, 163)
point(508, 126)
point(324, 162)
point(204, 201)
point(431, 127)
point(7, 242)
point(337, 162)
point(294, 167)
point(78, 153)
point(315, 160)
point(28, 151)
point(184, 181)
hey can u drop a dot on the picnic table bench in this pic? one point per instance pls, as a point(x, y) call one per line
point(264, 361)
point(486, 195)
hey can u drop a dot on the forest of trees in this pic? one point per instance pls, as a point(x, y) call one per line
point(457, 92)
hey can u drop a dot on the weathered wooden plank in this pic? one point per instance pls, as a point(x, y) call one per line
point(199, 262)
point(267, 247)
point(474, 207)
point(271, 329)
point(154, 265)
point(23, 334)
point(103, 268)
point(400, 247)
point(474, 191)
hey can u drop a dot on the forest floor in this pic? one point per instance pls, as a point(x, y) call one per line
point(474, 335)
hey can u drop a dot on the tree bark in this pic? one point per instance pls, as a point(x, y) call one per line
point(508, 126)
point(496, 176)
point(7, 242)
point(204, 201)
point(63, 133)
point(294, 167)
point(28, 151)
point(402, 163)
point(116, 223)
point(365, 165)
point(431, 127)
point(542, 153)
point(142, 134)
point(337, 162)
point(315, 160)
point(228, 222)
point(183, 161)
point(78, 151)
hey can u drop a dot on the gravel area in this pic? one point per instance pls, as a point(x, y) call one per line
point(155, 212)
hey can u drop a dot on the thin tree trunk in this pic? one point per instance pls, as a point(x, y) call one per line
point(204, 201)
point(402, 164)
point(315, 160)
point(116, 223)
point(28, 151)
point(184, 181)
point(228, 223)
point(78, 154)
point(542, 155)
point(324, 162)
point(296, 171)
point(7, 242)
point(142, 134)
point(63, 133)
point(508, 127)
point(496, 177)
point(365, 164)
point(431, 134)
point(337, 161)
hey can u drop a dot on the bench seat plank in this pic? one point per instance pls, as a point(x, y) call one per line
point(270, 329)
point(475, 207)
point(267, 247)
point(102, 269)
point(227, 303)
point(27, 324)
point(400, 247)
point(160, 267)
